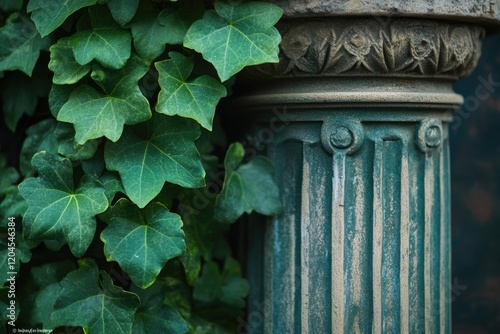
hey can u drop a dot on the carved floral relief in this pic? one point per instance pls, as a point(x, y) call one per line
point(377, 46)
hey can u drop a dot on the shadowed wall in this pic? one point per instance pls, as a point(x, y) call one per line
point(475, 178)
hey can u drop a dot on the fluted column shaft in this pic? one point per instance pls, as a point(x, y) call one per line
point(363, 245)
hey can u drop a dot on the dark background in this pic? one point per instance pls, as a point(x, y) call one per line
point(475, 178)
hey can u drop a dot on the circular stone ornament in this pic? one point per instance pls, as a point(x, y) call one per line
point(342, 135)
point(429, 134)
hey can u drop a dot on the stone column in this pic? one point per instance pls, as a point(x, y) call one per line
point(364, 90)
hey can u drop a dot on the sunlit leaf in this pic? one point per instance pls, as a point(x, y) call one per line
point(64, 65)
point(195, 98)
point(149, 154)
point(105, 42)
point(235, 35)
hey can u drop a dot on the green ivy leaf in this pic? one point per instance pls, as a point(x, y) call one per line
point(11, 5)
point(51, 272)
point(91, 301)
point(202, 231)
point(8, 176)
point(149, 35)
point(122, 10)
point(209, 285)
point(247, 187)
point(40, 137)
point(229, 287)
point(13, 204)
point(142, 241)
point(54, 245)
point(151, 153)
point(95, 115)
point(58, 211)
point(43, 305)
point(53, 137)
point(95, 166)
point(58, 96)
point(66, 145)
point(46, 278)
point(64, 65)
point(191, 261)
point(22, 254)
point(218, 298)
point(21, 45)
point(20, 96)
point(154, 317)
point(106, 42)
point(177, 294)
point(48, 15)
point(195, 99)
point(178, 21)
point(236, 35)
point(112, 184)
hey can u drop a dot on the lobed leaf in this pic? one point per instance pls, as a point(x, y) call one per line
point(64, 65)
point(122, 10)
point(227, 287)
point(149, 35)
point(58, 211)
point(46, 277)
point(236, 35)
point(49, 15)
point(58, 96)
point(154, 317)
point(21, 44)
point(142, 241)
point(149, 154)
point(95, 114)
point(194, 99)
point(53, 137)
point(67, 147)
point(89, 299)
point(247, 187)
point(40, 137)
point(105, 42)
point(178, 21)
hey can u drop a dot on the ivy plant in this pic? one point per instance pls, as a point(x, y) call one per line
point(110, 152)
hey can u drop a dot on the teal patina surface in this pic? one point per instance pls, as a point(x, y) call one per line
point(363, 162)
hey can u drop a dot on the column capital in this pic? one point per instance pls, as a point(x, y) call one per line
point(377, 46)
point(372, 53)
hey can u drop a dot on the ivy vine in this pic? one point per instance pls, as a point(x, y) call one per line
point(107, 145)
